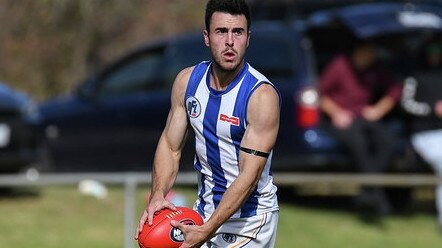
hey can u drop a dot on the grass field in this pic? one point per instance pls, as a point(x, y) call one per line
point(53, 217)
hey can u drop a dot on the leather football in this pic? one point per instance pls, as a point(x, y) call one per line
point(161, 234)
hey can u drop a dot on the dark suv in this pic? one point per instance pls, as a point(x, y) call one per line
point(113, 121)
point(18, 145)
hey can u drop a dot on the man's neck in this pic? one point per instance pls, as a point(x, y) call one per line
point(220, 79)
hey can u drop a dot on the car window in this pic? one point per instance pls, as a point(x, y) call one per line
point(141, 73)
point(271, 56)
point(185, 53)
point(417, 52)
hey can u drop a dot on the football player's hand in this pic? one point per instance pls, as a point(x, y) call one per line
point(194, 236)
point(154, 204)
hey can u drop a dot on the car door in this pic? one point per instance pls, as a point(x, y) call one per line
point(133, 101)
point(114, 122)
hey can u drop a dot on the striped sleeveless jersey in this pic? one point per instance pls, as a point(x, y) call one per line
point(218, 119)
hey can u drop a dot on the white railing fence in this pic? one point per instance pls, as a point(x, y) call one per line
point(131, 180)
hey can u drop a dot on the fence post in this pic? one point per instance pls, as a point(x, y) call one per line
point(130, 189)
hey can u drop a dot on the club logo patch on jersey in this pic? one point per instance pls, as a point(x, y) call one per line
point(230, 119)
point(193, 107)
point(176, 234)
point(229, 238)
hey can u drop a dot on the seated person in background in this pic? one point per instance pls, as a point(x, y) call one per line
point(356, 93)
point(422, 97)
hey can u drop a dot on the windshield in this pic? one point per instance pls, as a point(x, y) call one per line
point(412, 53)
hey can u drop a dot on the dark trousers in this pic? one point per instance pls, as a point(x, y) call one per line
point(370, 145)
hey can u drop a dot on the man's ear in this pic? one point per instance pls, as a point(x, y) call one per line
point(206, 38)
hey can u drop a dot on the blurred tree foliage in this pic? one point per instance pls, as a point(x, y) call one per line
point(50, 45)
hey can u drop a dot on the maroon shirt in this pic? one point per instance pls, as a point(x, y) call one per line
point(352, 89)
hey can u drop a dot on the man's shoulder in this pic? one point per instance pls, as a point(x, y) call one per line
point(197, 71)
point(266, 91)
point(340, 63)
point(181, 81)
point(184, 75)
point(187, 72)
point(340, 60)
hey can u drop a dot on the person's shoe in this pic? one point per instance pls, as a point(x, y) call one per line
point(364, 203)
point(382, 203)
point(372, 203)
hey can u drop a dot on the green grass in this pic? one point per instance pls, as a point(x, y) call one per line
point(333, 228)
point(61, 217)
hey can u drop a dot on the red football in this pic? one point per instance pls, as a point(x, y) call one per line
point(162, 234)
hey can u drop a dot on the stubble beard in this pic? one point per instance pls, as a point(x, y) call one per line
point(227, 67)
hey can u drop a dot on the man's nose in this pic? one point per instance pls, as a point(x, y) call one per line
point(229, 39)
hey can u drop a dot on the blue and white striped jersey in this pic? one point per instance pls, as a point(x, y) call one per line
point(219, 122)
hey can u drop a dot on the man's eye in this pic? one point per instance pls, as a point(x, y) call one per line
point(221, 31)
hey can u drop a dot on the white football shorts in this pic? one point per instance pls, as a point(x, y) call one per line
point(256, 231)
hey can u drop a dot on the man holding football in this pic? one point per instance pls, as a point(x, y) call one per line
point(234, 112)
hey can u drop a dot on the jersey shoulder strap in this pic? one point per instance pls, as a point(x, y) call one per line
point(195, 78)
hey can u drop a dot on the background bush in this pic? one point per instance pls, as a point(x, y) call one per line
point(49, 45)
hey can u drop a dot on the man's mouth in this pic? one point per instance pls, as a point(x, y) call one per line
point(229, 55)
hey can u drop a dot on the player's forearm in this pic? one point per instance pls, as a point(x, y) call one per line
point(165, 169)
point(232, 200)
point(162, 181)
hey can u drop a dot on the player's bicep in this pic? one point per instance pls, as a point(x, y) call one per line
point(262, 119)
point(175, 130)
point(262, 129)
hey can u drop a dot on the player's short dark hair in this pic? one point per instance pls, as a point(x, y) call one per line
point(233, 7)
